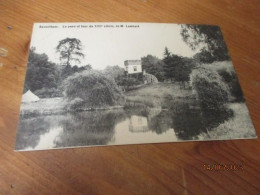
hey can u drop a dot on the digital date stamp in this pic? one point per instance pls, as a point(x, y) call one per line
point(223, 167)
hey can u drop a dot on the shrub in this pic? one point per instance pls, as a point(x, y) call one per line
point(130, 82)
point(226, 70)
point(93, 88)
point(231, 79)
point(211, 91)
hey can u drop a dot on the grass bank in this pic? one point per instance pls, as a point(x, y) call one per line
point(43, 106)
point(239, 126)
point(48, 106)
point(156, 94)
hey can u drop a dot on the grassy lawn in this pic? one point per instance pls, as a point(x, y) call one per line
point(48, 106)
point(156, 94)
point(43, 106)
point(239, 126)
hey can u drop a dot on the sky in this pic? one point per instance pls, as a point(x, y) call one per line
point(111, 45)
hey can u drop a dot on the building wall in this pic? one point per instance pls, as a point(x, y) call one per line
point(133, 66)
point(134, 69)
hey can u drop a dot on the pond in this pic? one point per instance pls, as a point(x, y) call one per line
point(109, 127)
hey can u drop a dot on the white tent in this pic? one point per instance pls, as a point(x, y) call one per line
point(29, 97)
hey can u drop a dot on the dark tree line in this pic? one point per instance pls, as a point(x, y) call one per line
point(41, 73)
point(153, 65)
point(171, 68)
point(44, 78)
point(177, 68)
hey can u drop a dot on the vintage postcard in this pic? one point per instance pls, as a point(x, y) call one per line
point(90, 84)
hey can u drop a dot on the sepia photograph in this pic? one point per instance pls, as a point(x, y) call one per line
point(98, 84)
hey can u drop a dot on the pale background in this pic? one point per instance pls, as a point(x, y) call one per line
point(169, 168)
point(105, 46)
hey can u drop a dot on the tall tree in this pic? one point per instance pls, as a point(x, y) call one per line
point(183, 69)
point(166, 52)
point(70, 49)
point(206, 38)
point(168, 66)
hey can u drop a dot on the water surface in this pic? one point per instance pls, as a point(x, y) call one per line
point(109, 127)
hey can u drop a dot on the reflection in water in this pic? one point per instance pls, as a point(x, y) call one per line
point(124, 136)
point(89, 128)
point(30, 130)
point(129, 126)
point(47, 140)
point(161, 122)
point(138, 124)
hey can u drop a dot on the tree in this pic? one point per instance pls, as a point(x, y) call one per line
point(86, 67)
point(154, 66)
point(41, 74)
point(172, 65)
point(166, 53)
point(115, 72)
point(70, 49)
point(203, 56)
point(91, 89)
point(183, 69)
point(168, 66)
point(177, 68)
point(212, 92)
point(207, 38)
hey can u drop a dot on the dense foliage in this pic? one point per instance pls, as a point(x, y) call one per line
point(115, 72)
point(41, 73)
point(44, 78)
point(232, 81)
point(203, 56)
point(128, 83)
point(92, 89)
point(208, 39)
point(211, 91)
point(66, 71)
point(154, 66)
point(176, 67)
point(226, 70)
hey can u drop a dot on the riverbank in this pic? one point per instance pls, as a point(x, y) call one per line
point(155, 95)
point(239, 126)
point(43, 106)
point(48, 106)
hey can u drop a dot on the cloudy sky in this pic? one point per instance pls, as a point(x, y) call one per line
point(105, 46)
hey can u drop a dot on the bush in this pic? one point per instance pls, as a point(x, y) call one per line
point(226, 70)
point(129, 83)
point(93, 88)
point(211, 91)
point(231, 79)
